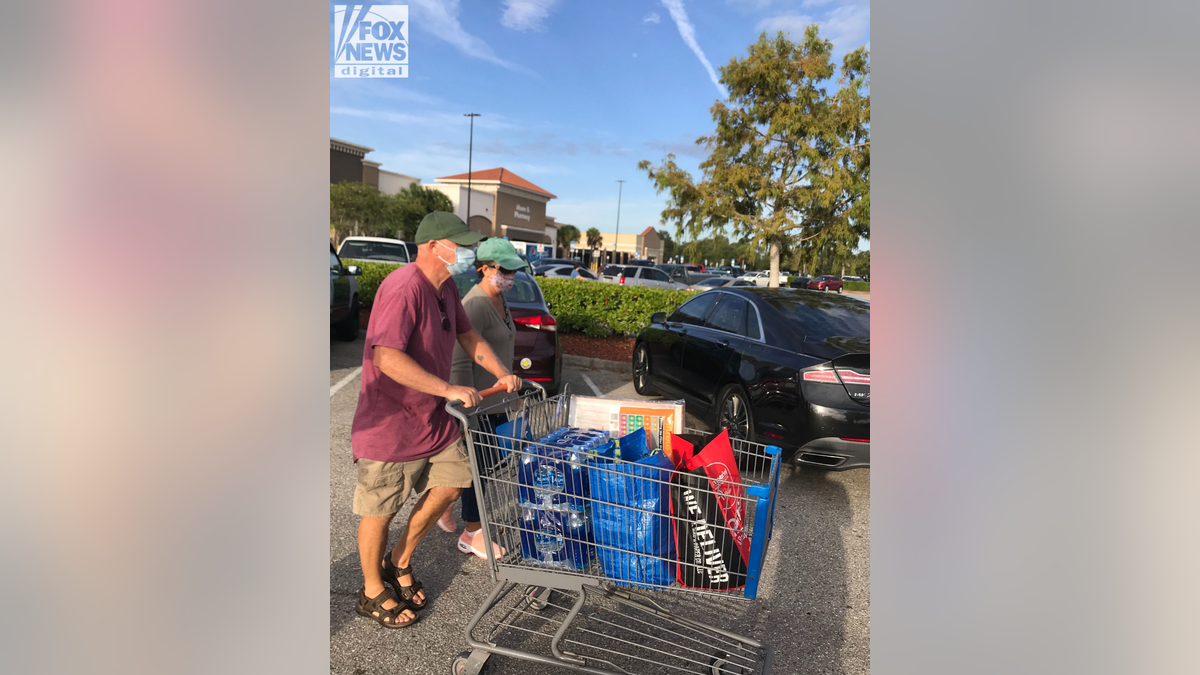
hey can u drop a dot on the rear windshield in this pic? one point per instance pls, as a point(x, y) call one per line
point(523, 291)
point(821, 317)
point(374, 250)
point(613, 270)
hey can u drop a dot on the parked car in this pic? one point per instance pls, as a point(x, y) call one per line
point(684, 274)
point(771, 366)
point(799, 282)
point(343, 298)
point(763, 278)
point(826, 282)
point(641, 263)
point(377, 249)
point(553, 261)
point(719, 282)
point(563, 272)
point(536, 342)
point(635, 275)
point(844, 279)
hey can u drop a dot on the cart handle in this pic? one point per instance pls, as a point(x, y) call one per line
point(455, 407)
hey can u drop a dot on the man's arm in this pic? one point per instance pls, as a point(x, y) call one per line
point(403, 369)
point(480, 352)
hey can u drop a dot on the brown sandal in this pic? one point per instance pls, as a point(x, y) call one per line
point(373, 608)
point(407, 594)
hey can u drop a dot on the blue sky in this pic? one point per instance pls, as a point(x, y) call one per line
point(572, 93)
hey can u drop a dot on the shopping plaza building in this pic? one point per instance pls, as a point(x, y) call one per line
point(496, 203)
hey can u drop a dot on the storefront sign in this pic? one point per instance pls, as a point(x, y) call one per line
point(522, 212)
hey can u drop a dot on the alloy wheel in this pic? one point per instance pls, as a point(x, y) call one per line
point(641, 369)
point(735, 416)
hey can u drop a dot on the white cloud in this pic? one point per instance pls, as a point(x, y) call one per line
point(846, 26)
point(424, 118)
point(440, 19)
point(652, 17)
point(793, 26)
point(526, 15)
point(688, 32)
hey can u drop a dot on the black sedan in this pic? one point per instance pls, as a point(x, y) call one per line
point(771, 365)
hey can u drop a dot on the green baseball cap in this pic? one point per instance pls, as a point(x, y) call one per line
point(443, 225)
point(500, 252)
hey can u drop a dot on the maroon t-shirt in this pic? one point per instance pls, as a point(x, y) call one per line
point(394, 423)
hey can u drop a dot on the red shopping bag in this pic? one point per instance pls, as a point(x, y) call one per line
point(707, 501)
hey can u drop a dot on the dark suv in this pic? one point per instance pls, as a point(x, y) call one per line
point(343, 298)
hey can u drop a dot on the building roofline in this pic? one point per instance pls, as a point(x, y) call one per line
point(347, 146)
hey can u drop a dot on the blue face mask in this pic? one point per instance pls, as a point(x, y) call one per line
point(464, 258)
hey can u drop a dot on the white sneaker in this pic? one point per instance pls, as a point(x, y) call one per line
point(447, 522)
point(473, 542)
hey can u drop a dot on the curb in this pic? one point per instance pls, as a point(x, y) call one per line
point(574, 361)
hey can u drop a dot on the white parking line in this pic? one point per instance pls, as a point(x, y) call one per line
point(591, 384)
point(344, 381)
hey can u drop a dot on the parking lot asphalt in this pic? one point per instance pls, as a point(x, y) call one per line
point(814, 605)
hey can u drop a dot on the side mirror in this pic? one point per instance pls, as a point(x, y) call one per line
point(354, 271)
point(658, 317)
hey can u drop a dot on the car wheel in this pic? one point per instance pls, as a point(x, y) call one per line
point(839, 291)
point(347, 330)
point(641, 371)
point(734, 413)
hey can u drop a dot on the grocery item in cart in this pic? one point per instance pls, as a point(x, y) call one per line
point(707, 501)
point(553, 538)
point(553, 473)
point(630, 503)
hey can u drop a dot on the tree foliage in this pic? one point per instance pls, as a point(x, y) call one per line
point(594, 239)
point(358, 208)
point(567, 235)
point(788, 162)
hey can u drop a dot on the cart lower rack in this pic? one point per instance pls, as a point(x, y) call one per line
point(592, 578)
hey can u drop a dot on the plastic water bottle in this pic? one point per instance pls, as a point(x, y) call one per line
point(576, 532)
point(542, 538)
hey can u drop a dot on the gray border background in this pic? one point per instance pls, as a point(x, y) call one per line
point(1035, 330)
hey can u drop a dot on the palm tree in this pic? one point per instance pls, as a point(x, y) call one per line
point(567, 234)
point(594, 240)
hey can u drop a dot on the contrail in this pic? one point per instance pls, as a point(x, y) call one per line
point(688, 32)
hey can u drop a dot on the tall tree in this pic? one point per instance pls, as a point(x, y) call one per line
point(594, 239)
point(567, 235)
point(788, 162)
point(411, 205)
point(356, 208)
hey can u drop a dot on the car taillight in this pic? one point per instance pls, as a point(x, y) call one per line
point(537, 321)
point(621, 280)
point(852, 377)
point(832, 377)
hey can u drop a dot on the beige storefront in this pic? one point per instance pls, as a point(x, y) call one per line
point(514, 208)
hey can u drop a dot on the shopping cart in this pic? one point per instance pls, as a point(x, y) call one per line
point(573, 614)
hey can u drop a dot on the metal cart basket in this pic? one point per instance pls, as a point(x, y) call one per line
point(570, 610)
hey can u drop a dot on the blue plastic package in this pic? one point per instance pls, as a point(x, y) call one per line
point(630, 509)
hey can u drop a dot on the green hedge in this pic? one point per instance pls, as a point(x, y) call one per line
point(857, 286)
point(598, 309)
point(594, 308)
point(373, 274)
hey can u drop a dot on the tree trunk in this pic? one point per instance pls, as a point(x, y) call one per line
point(773, 280)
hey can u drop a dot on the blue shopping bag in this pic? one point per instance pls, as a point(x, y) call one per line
point(630, 506)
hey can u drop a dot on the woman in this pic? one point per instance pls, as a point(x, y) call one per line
point(496, 262)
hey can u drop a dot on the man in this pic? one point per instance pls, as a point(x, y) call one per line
point(402, 437)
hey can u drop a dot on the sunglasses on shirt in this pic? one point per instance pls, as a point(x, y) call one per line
point(445, 319)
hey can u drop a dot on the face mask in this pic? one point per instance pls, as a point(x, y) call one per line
point(502, 282)
point(464, 258)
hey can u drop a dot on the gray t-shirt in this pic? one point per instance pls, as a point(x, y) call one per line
point(498, 331)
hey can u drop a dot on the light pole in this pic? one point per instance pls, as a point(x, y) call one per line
point(617, 243)
point(470, 152)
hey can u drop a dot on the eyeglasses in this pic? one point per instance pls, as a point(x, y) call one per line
point(445, 319)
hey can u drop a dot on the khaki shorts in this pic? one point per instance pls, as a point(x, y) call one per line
point(383, 487)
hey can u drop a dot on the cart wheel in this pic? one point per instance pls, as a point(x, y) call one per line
point(459, 665)
point(531, 597)
point(721, 665)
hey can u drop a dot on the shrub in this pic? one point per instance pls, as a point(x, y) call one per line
point(857, 286)
point(598, 309)
point(373, 274)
